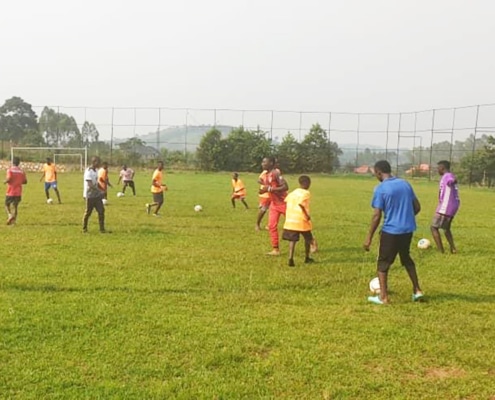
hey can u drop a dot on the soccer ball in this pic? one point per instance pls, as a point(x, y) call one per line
point(49, 201)
point(375, 285)
point(198, 208)
point(424, 244)
point(120, 194)
point(105, 202)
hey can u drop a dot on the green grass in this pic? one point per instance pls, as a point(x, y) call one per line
point(188, 306)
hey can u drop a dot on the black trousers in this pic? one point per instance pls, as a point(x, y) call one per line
point(131, 184)
point(94, 204)
point(390, 246)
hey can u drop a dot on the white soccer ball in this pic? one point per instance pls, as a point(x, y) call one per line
point(424, 244)
point(105, 202)
point(49, 201)
point(120, 194)
point(198, 208)
point(375, 285)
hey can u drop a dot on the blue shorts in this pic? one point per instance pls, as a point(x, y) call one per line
point(49, 185)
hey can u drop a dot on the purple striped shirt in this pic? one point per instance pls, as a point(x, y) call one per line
point(448, 195)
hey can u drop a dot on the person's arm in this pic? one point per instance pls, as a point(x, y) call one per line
point(120, 178)
point(281, 186)
point(305, 212)
point(42, 176)
point(375, 222)
point(25, 180)
point(416, 206)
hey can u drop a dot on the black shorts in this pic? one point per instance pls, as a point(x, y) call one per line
point(15, 200)
point(390, 246)
point(441, 221)
point(158, 198)
point(293, 236)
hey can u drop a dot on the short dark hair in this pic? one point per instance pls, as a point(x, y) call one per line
point(445, 163)
point(16, 161)
point(383, 166)
point(304, 180)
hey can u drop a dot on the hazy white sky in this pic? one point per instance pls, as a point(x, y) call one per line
point(348, 55)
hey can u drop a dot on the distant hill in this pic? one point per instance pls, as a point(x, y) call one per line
point(179, 137)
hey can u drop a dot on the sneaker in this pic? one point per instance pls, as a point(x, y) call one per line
point(85, 230)
point(105, 231)
point(148, 208)
point(375, 300)
point(417, 296)
point(10, 220)
point(274, 252)
point(308, 260)
point(157, 215)
point(291, 263)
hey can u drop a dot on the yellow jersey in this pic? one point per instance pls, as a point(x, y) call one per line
point(295, 219)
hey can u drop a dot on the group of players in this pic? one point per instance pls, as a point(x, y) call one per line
point(393, 198)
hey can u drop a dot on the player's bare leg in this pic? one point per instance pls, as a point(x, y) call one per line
point(233, 202)
point(307, 250)
point(245, 204)
point(450, 239)
point(383, 278)
point(261, 214)
point(437, 238)
point(58, 195)
point(292, 247)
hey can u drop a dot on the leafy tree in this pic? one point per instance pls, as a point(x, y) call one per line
point(59, 129)
point(129, 148)
point(318, 153)
point(289, 154)
point(17, 120)
point(89, 133)
point(479, 167)
point(209, 153)
point(245, 149)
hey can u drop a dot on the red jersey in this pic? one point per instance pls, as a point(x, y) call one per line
point(274, 179)
point(16, 178)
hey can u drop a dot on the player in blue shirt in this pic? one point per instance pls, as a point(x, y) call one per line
point(395, 199)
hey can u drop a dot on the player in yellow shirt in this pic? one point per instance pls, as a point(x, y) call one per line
point(50, 175)
point(264, 200)
point(103, 179)
point(238, 190)
point(157, 189)
point(298, 220)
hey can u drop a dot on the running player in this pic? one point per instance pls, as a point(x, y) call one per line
point(14, 180)
point(238, 190)
point(50, 175)
point(157, 189)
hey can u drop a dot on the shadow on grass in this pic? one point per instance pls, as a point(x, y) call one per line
point(62, 289)
point(467, 298)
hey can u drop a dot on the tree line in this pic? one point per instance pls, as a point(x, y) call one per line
point(242, 149)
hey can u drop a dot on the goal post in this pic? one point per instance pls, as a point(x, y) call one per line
point(54, 152)
point(67, 155)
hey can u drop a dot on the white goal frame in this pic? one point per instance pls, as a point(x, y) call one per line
point(70, 155)
point(53, 149)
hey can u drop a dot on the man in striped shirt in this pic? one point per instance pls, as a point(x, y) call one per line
point(448, 204)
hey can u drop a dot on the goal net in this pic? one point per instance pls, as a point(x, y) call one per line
point(75, 158)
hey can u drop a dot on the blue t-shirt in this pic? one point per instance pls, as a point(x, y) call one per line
point(395, 198)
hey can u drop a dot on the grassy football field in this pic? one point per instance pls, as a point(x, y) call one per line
point(188, 306)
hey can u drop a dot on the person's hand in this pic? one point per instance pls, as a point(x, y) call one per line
point(367, 244)
point(263, 189)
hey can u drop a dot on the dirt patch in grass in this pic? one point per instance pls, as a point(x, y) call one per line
point(444, 373)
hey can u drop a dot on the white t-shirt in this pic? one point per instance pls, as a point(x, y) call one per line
point(90, 175)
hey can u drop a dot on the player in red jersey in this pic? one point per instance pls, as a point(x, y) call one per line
point(277, 187)
point(14, 180)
